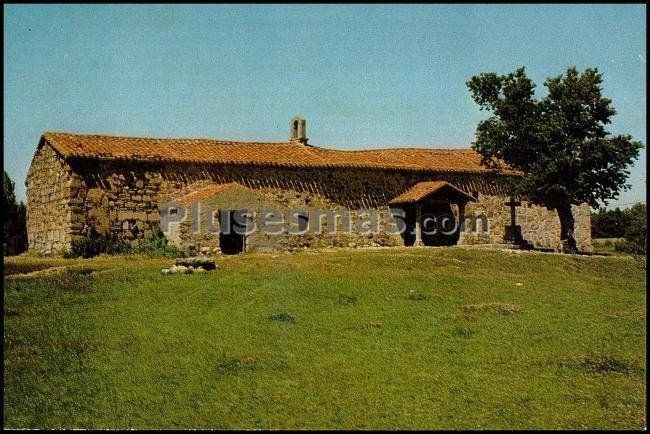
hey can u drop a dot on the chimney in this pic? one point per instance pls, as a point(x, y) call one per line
point(298, 130)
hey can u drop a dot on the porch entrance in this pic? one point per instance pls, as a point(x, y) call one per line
point(429, 216)
point(438, 223)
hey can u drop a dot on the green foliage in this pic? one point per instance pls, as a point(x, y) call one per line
point(609, 224)
point(636, 232)
point(559, 142)
point(14, 227)
point(630, 224)
point(131, 348)
point(157, 245)
point(95, 244)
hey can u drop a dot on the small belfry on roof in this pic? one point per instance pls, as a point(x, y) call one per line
point(298, 130)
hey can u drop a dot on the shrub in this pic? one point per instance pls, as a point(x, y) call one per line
point(157, 245)
point(626, 246)
point(14, 226)
point(95, 244)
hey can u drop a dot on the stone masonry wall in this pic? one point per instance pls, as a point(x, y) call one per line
point(50, 183)
point(540, 227)
point(121, 198)
point(267, 199)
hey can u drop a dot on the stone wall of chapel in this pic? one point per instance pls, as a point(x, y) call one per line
point(66, 199)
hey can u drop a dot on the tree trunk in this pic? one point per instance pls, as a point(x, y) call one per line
point(567, 224)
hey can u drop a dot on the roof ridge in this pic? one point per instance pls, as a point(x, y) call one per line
point(410, 148)
point(203, 139)
point(166, 139)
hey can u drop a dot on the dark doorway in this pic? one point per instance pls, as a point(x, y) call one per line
point(408, 235)
point(439, 225)
point(232, 229)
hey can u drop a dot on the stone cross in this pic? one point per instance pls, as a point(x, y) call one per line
point(512, 204)
point(513, 232)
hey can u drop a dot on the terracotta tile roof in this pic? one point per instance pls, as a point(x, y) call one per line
point(260, 153)
point(204, 192)
point(422, 189)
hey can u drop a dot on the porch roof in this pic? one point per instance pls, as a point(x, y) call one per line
point(422, 190)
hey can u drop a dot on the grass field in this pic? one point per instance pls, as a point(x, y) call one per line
point(388, 338)
point(606, 245)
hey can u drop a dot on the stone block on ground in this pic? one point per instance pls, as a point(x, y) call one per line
point(195, 262)
point(177, 269)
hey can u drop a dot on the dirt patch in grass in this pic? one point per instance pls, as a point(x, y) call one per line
point(282, 317)
point(461, 332)
point(11, 342)
point(11, 269)
point(72, 280)
point(501, 308)
point(418, 297)
point(84, 271)
point(25, 352)
point(600, 365)
point(10, 312)
point(33, 270)
point(347, 299)
point(604, 365)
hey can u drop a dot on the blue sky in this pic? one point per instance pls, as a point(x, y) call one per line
point(363, 76)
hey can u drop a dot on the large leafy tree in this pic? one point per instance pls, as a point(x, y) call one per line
point(14, 228)
point(558, 142)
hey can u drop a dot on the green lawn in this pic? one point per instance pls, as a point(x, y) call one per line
point(606, 245)
point(388, 338)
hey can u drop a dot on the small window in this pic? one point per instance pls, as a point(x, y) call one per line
point(303, 221)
